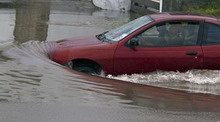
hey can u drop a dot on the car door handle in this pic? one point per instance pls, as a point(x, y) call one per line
point(191, 53)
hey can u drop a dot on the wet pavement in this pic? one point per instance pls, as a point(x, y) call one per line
point(35, 89)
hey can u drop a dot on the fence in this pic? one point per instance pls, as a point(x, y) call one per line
point(155, 6)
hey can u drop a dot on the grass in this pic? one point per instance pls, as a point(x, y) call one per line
point(212, 7)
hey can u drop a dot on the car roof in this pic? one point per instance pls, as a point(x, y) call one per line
point(186, 16)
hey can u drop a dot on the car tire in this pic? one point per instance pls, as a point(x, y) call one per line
point(86, 68)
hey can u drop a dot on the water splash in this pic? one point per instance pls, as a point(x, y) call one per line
point(199, 81)
point(29, 75)
point(191, 76)
point(31, 53)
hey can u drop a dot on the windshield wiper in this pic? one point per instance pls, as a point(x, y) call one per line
point(101, 36)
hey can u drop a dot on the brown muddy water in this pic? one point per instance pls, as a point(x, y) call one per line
point(35, 89)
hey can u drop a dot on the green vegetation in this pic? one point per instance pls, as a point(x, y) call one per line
point(209, 8)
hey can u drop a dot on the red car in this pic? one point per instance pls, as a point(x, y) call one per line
point(166, 41)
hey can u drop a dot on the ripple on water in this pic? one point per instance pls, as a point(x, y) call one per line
point(30, 75)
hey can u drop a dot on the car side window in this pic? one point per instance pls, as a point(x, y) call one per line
point(181, 33)
point(213, 34)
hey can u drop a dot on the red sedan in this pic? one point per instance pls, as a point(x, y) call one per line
point(167, 41)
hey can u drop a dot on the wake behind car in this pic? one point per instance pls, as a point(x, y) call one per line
point(166, 41)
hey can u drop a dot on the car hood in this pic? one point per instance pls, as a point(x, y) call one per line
point(87, 41)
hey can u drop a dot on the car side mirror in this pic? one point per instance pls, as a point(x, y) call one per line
point(133, 42)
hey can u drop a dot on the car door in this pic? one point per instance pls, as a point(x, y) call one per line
point(159, 48)
point(211, 46)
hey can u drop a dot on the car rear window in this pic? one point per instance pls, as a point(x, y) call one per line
point(213, 34)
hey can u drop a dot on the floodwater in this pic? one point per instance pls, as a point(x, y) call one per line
point(35, 89)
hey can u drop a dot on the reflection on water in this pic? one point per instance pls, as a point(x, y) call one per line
point(28, 75)
point(45, 21)
point(31, 22)
point(7, 18)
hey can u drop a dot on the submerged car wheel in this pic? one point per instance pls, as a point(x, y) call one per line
point(86, 67)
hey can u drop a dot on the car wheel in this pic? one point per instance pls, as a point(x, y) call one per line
point(86, 68)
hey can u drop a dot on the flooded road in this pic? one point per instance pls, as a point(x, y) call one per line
point(35, 89)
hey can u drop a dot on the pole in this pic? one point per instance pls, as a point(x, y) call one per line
point(161, 6)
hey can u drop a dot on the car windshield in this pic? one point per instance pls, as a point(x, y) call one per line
point(123, 31)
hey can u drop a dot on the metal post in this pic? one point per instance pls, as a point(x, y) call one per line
point(161, 6)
